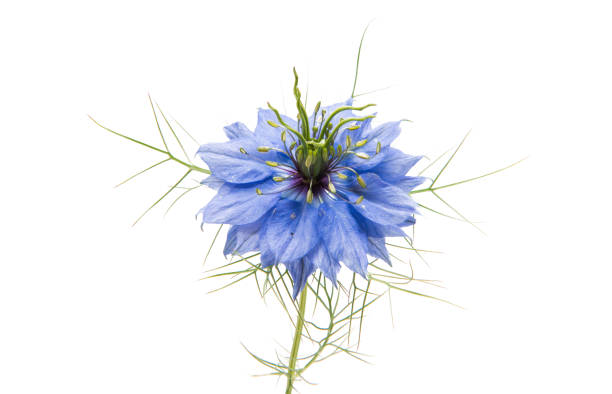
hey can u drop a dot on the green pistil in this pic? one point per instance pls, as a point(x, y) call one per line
point(314, 153)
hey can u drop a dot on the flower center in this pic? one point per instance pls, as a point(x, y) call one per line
point(312, 149)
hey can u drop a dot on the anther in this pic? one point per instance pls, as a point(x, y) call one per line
point(361, 143)
point(309, 196)
point(378, 147)
point(362, 155)
point(341, 175)
point(361, 181)
point(272, 163)
point(278, 179)
point(359, 200)
point(348, 141)
point(243, 151)
point(283, 135)
point(263, 149)
point(273, 124)
point(258, 191)
point(353, 127)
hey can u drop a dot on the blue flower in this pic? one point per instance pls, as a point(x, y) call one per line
point(311, 193)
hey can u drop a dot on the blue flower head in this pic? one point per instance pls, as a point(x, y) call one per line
point(313, 192)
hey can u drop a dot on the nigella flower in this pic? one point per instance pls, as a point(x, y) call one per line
point(311, 193)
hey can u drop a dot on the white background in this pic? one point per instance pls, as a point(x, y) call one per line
point(89, 304)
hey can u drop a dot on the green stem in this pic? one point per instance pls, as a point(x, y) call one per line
point(297, 337)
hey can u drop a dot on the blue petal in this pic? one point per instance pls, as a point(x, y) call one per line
point(377, 249)
point(408, 222)
point(395, 164)
point(377, 230)
point(226, 161)
point(321, 259)
point(271, 135)
point(383, 203)
point(343, 237)
point(290, 230)
point(408, 183)
point(237, 130)
point(242, 238)
point(266, 258)
point(386, 133)
point(300, 270)
point(213, 182)
point(239, 204)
